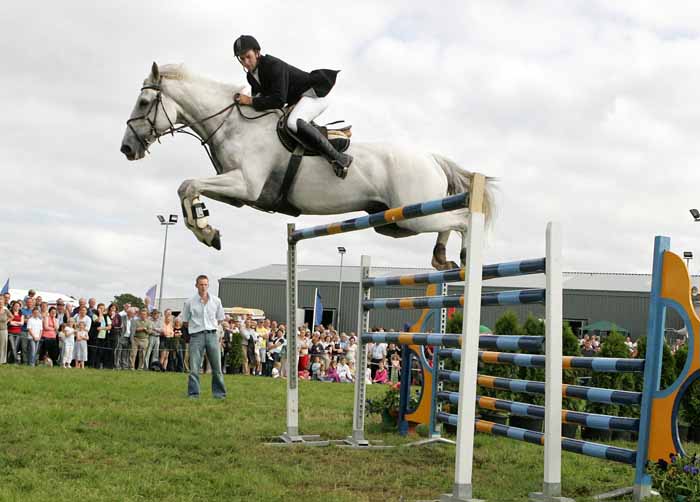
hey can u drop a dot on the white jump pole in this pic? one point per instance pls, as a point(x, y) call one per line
point(551, 486)
point(462, 489)
point(358, 419)
point(292, 433)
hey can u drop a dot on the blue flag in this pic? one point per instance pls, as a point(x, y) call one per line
point(318, 309)
point(6, 287)
point(151, 294)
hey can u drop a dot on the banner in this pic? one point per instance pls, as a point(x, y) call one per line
point(318, 309)
point(151, 295)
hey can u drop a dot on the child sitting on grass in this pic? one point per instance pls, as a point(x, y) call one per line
point(344, 373)
point(381, 375)
point(332, 373)
point(276, 370)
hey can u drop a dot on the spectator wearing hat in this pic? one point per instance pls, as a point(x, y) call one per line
point(154, 338)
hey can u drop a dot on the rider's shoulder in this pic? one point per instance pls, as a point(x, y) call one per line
point(269, 60)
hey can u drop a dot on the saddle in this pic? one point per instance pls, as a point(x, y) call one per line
point(273, 198)
point(338, 137)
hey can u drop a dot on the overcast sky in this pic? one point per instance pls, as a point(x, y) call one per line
point(588, 112)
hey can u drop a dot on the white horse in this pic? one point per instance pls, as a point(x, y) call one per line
point(248, 151)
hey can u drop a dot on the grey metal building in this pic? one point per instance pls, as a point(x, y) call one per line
point(588, 297)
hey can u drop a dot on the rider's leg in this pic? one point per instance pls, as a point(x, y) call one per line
point(308, 108)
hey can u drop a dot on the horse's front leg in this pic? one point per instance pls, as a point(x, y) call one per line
point(226, 188)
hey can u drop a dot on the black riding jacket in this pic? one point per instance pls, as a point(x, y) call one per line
point(281, 83)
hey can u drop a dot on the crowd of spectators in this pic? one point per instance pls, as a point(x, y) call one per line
point(129, 338)
point(591, 345)
point(90, 333)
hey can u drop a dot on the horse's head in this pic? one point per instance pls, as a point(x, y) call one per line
point(153, 115)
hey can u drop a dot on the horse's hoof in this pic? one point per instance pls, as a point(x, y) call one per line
point(216, 241)
point(451, 265)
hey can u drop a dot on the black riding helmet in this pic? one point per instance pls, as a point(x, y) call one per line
point(244, 43)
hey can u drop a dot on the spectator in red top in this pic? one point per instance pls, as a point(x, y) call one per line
point(14, 330)
point(49, 341)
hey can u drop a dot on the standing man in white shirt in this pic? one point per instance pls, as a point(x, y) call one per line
point(35, 326)
point(202, 314)
point(122, 350)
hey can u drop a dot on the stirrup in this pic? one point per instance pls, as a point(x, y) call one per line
point(340, 171)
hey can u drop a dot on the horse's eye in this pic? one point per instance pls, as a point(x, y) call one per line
point(143, 103)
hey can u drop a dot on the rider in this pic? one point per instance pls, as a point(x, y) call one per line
point(275, 84)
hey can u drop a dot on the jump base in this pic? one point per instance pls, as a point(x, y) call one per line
point(306, 440)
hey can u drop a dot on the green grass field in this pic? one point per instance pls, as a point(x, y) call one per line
point(134, 436)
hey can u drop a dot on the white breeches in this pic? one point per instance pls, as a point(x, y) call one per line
point(308, 108)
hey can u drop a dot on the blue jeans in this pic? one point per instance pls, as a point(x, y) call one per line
point(33, 347)
point(24, 341)
point(15, 346)
point(199, 343)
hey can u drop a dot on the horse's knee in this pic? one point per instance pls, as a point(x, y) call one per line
point(187, 189)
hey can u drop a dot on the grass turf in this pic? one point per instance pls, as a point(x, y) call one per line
point(134, 436)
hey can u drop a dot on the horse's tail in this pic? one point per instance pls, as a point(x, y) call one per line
point(460, 180)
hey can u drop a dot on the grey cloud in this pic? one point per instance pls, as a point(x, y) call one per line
point(586, 111)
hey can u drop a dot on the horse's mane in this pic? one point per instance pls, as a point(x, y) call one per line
point(181, 72)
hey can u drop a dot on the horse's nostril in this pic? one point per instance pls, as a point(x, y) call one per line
point(126, 149)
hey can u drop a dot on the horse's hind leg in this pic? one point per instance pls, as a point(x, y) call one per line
point(439, 261)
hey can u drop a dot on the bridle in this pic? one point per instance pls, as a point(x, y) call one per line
point(155, 135)
point(158, 104)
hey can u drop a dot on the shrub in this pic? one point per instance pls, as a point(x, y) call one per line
point(570, 347)
point(532, 327)
point(235, 355)
point(612, 346)
point(506, 325)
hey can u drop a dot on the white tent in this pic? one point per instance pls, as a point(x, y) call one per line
point(47, 296)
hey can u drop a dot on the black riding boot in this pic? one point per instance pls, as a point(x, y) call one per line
point(312, 138)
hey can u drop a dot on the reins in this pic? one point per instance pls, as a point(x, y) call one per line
point(155, 135)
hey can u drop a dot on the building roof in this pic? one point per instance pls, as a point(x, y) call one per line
point(592, 281)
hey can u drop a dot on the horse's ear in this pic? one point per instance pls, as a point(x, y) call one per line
point(155, 73)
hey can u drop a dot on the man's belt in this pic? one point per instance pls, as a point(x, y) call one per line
point(204, 331)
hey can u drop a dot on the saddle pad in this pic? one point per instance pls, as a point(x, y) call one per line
point(339, 138)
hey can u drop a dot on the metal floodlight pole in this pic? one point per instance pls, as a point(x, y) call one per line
point(687, 256)
point(341, 250)
point(172, 220)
